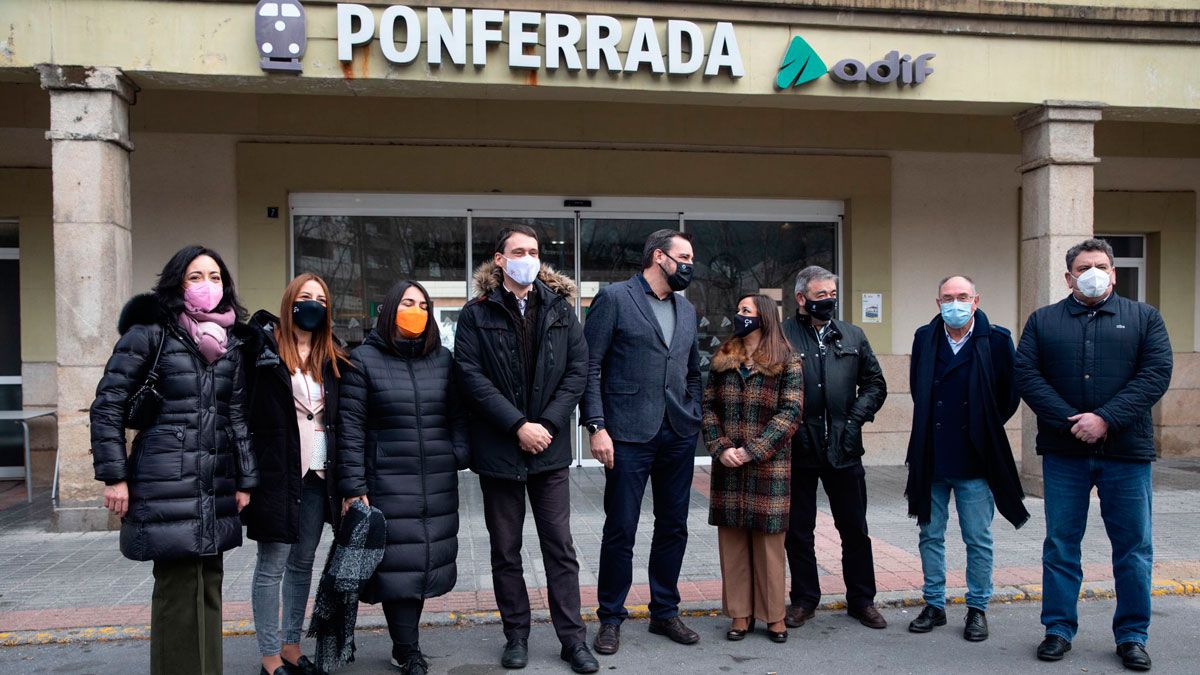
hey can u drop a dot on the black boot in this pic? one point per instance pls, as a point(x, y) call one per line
point(976, 629)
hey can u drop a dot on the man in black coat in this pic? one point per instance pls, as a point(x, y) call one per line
point(522, 364)
point(961, 378)
point(843, 389)
point(1091, 366)
point(642, 409)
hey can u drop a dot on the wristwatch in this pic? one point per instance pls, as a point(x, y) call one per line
point(593, 427)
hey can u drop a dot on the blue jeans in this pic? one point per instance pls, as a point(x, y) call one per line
point(293, 564)
point(1125, 499)
point(667, 461)
point(973, 500)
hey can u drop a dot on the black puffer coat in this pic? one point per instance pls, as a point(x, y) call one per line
point(401, 440)
point(184, 470)
point(493, 378)
point(274, 511)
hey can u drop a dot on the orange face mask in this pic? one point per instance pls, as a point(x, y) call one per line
point(411, 321)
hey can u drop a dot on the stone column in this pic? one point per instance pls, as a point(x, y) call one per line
point(89, 129)
point(1057, 192)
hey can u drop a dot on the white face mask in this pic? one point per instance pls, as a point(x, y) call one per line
point(1092, 283)
point(523, 270)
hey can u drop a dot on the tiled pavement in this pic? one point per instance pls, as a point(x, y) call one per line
point(71, 581)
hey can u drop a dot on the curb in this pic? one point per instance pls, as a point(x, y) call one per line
point(1100, 590)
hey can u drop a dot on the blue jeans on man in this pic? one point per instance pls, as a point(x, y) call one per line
point(667, 462)
point(1124, 488)
point(976, 508)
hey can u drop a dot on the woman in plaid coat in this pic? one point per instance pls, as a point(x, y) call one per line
point(752, 406)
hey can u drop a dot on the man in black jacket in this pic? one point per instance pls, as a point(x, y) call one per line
point(961, 378)
point(1091, 366)
point(522, 364)
point(843, 389)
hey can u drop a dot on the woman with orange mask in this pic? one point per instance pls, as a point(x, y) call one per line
point(401, 440)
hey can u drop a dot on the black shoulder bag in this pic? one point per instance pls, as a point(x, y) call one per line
point(144, 405)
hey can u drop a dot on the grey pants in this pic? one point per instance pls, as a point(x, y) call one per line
point(293, 565)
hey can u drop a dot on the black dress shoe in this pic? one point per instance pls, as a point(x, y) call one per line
point(797, 615)
point(674, 629)
point(869, 617)
point(1134, 655)
point(929, 618)
point(411, 664)
point(737, 634)
point(580, 658)
point(516, 654)
point(608, 640)
point(262, 670)
point(303, 667)
point(1053, 648)
point(976, 629)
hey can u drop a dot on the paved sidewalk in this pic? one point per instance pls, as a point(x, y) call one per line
point(57, 587)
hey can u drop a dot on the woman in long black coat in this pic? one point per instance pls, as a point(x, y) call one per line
point(190, 470)
point(401, 441)
point(293, 366)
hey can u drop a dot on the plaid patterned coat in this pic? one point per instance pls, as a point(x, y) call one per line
point(760, 413)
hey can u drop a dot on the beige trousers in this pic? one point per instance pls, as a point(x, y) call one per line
point(753, 574)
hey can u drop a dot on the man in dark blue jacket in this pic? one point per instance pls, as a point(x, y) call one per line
point(642, 409)
point(1091, 366)
point(961, 378)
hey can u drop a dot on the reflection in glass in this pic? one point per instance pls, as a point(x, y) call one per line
point(733, 258)
point(361, 257)
point(556, 240)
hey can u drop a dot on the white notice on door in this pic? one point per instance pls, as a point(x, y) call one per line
point(872, 308)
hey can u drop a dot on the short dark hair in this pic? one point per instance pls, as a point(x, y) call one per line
point(660, 240)
point(510, 230)
point(1092, 244)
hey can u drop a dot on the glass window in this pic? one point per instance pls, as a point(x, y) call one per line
point(611, 250)
point(734, 258)
point(556, 240)
point(1129, 257)
point(362, 257)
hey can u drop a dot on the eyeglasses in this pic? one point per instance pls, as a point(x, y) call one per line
point(961, 297)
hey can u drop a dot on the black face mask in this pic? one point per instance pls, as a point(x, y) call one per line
point(821, 310)
point(682, 276)
point(745, 325)
point(308, 315)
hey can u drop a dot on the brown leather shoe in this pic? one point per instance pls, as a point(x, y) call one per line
point(869, 617)
point(608, 639)
point(796, 616)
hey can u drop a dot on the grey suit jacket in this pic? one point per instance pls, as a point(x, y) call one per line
point(635, 379)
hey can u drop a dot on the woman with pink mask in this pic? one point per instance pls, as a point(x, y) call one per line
point(176, 376)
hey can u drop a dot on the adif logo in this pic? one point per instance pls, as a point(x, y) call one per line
point(281, 34)
point(801, 64)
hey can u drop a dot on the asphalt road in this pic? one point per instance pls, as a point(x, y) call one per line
point(832, 643)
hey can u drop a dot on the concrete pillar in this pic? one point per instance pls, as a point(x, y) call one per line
point(1057, 192)
point(89, 129)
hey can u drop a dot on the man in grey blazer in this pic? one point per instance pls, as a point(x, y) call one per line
point(642, 410)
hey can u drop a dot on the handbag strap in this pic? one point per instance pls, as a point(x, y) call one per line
point(152, 377)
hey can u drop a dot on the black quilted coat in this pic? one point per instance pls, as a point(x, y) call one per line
point(184, 470)
point(401, 440)
point(274, 511)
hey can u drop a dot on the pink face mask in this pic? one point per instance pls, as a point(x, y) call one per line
point(204, 296)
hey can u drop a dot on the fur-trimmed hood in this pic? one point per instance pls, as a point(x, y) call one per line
point(733, 354)
point(488, 277)
point(144, 309)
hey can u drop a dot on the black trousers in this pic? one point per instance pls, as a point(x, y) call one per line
point(504, 514)
point(847, 490)
point(403, 621)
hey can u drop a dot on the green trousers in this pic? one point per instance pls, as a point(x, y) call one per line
point(185, 617)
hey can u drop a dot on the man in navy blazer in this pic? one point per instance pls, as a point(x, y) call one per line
point(642, 410)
